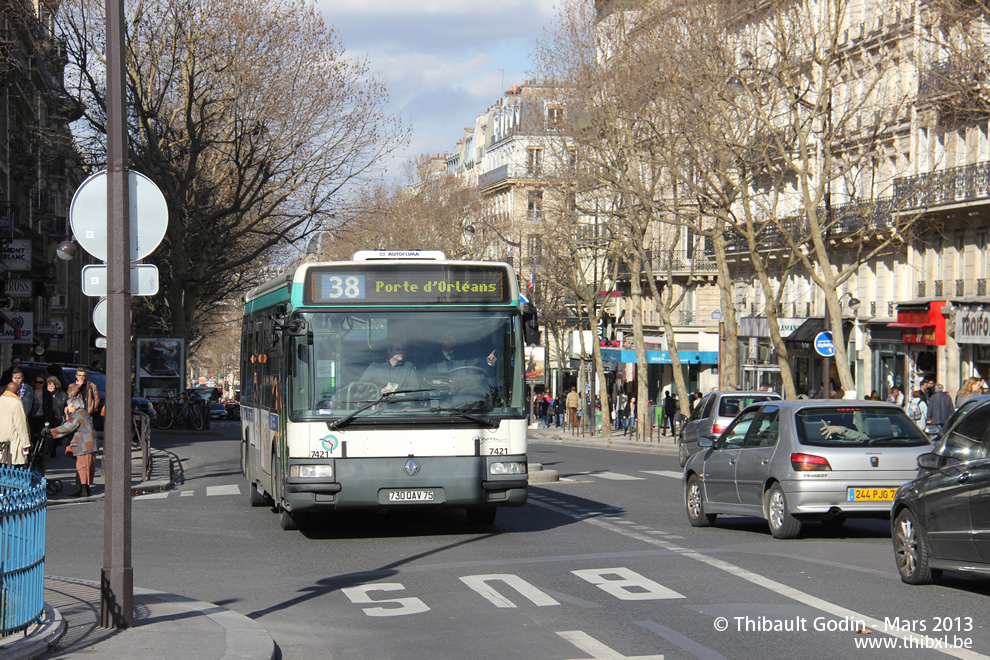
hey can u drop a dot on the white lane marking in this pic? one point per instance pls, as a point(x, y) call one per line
point(597, 650)
point(153, 496)
point(362, 594)
point(479, 583)
point(615, 476)
point(187, 493)
point(625, 584)
point(665, 473)
point(922, 641)
point(232, 489)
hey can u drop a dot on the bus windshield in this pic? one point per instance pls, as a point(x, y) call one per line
point(371, 363)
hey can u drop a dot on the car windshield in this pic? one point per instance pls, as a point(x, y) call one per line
point(369, 364)
point(850, 425)
point(730, 406)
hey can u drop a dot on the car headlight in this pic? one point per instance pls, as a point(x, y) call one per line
point(311, 471)
point(507, 467)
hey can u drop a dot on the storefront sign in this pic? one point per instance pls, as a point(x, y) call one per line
point(972, 326)
point(758, 326)
point(17, 288)
point(16, 255)
point(23, 321)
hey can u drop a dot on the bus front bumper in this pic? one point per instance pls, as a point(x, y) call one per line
point(384, 483)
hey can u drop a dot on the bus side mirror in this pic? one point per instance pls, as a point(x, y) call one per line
point(531, 325)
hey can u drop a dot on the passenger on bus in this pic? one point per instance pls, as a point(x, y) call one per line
point(449, 357)
point(394, 374)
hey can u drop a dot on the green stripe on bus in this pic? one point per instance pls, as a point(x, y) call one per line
point(267, 300)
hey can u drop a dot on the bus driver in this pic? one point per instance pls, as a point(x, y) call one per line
point(395, 374)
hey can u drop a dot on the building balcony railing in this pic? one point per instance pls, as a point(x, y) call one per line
point(491, 177)
point(677, 262)
point(950, 78)
point(948, 186)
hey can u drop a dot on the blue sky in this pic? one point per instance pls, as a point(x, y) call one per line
point(444, 61)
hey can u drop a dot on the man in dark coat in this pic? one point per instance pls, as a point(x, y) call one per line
point(669, 414)
point(940, 406)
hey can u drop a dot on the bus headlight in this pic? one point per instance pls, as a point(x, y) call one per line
point(311, 471)
point(513, 467)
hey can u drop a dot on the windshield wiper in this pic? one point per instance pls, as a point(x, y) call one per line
point(489, 422)
point(387, 397)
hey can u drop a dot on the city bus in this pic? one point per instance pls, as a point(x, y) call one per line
point(351, 401)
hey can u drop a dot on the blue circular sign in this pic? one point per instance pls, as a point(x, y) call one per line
point(824, 345)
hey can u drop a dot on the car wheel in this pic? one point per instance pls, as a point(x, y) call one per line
point(782, 524)
point(911, 551)
point(694, 500)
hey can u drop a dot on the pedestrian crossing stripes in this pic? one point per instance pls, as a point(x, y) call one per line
point(665, 473)
point(619, 476)
point(211, 491)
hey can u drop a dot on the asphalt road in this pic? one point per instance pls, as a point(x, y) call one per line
point(602, 565)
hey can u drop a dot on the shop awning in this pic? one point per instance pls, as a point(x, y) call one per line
point(660, 357)
point(921, 323)
point(805, 335)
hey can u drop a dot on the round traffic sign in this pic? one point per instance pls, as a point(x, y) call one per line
point(100, 316)
point(824, 345)
point(148, 214)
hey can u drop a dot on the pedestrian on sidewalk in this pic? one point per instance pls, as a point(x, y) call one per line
point(15, 437)
point(87, 391)
point(79, 425)
point(54, 411)
point(669, 413)
point(36, 415)
point(572, 407)
point(630, 414)
point(24, 391)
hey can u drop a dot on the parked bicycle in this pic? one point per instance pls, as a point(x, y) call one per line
point(180, 408)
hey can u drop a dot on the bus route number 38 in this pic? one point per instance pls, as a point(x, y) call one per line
point(349, 286)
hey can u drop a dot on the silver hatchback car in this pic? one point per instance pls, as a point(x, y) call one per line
point(792, 461)
point(712, 415)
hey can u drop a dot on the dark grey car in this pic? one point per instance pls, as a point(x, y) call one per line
point(791, 461)
point(941, 520)
point(712, 415)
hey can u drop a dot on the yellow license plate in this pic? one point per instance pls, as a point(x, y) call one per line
point(871, 494)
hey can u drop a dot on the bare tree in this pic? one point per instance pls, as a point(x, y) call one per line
point(252, 120)
point(439, 212)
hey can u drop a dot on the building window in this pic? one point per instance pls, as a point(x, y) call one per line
point(555, 118)
point(534, 205)
point(534, 160)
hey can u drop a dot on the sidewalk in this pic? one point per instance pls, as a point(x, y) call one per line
point(657, 444)
point(166, 626)
point(163, 466)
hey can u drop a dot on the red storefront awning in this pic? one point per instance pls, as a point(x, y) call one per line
point(921, 323)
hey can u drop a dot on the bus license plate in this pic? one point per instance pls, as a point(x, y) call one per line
point(410, 496)
point(871, 494)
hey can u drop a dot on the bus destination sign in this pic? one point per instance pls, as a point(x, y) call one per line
point(407, 285)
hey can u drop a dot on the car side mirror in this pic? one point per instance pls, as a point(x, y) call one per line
point(928, 461)
point(706, 442)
